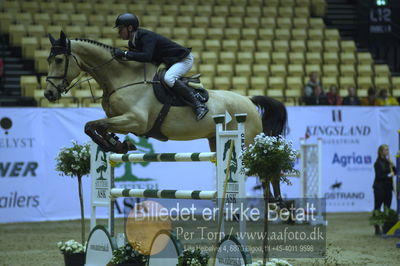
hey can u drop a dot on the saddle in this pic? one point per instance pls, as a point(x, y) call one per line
point(165, 95)
point(168, 98)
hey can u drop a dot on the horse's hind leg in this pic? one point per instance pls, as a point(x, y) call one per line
point(99, 132)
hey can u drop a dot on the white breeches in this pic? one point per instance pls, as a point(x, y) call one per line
point(178, 69)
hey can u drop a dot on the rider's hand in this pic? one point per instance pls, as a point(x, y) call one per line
point(118, 53)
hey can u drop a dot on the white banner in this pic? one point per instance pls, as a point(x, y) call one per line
point(30, 139)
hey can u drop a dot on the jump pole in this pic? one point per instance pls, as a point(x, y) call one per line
point(104, 193)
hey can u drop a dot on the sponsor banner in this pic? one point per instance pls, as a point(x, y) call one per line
point(30, 139)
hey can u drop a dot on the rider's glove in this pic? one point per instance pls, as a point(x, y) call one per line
point(118, 53)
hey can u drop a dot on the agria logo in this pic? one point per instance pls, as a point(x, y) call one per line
point(351, 159)
point(5, 124)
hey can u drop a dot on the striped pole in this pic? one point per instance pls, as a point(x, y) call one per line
point(164, 193)
point(164, 157)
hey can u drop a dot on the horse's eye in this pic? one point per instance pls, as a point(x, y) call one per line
point(58, 60)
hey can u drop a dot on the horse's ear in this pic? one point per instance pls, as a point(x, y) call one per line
point(52, 40)
point(63, 37)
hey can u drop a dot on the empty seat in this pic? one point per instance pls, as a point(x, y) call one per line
point(347, 70)
point(150, 21)
point(313, 58)
point(262, 58)
point(41, 65)
point(251, 22)
point(345, 82)
point(264, 45)
point(278, 70)
point(260, 70)
point(330, 70)
point(316, 34)
point(330, 58)
point(282, 34)
point(314, 46)
point(313, 68)
point(245, 57)
point(295, 70)
point(364, 58)
point(285, 23)
point(196, 45)
point(381, 70)
point(92, 32)
point(267, 22)
point(285, 11)
point(227, 57)
point(243, 70)
point(28, 84)
point(215, 33)
point(253, 11)
point(29, 45)
point(364, 70)
point(60, 19)
point(66, 7)
point(279, 58)
point(331, 46)
point(328, 81)
point(299, 34)
point(201, 21)
point(181, 33)
point(302, 12)
point(230, 45)
point(259, 83)
point(221, 10)
point(240, 83)
point(247, 45)
point(212, 45)
point(249, 34)
point(316, 23)
point(167, 21)
point(234, 22)
point(232, 33)
point(347, 58)
point(222, 83)
point(296, 58)
point(86, 8)
point(270, 11)
point(207, 69)
point(347, 46)
point(281, 45)
point(294, 83)
point(364, 83)
point(204, 10)
point(218, 22)
point(198, 33)
point(266, 34)
point(382, 82)
point(17, 32)
point(210, 57)
point(331, 34)
point(184, 21)
point(225, 70)
point(300, 23)
point(297, 46)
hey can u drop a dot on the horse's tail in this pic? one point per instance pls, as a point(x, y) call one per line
point(273, 115)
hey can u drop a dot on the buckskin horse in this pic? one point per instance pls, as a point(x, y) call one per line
point(131, 105)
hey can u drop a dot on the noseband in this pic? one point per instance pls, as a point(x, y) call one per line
point(57, 50)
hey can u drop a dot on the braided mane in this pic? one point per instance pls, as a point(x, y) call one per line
point(95, 43)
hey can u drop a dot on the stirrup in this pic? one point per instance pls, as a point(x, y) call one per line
point(201, 111)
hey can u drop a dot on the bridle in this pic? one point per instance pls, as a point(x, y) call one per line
point(64, 87)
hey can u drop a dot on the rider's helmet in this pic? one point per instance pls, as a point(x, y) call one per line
point(127, 19)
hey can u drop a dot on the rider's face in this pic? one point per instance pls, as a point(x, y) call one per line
point(123, 32)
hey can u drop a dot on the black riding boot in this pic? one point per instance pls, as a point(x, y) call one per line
point(200, 108)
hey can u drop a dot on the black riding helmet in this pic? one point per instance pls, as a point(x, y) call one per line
point(127, 19)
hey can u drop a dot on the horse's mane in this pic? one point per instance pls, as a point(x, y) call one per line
point(95, 43)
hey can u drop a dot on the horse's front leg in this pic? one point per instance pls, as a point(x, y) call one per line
point(102, 133)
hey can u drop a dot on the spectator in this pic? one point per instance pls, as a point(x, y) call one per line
point(351, 98)
point(370, 100)
point(333, 97)
point(384, 99)
point(308, 89)
point(317, 97)
point(383, 182)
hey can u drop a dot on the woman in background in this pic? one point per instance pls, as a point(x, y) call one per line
point(383, 183)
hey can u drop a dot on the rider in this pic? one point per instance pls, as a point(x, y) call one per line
point(147, 46)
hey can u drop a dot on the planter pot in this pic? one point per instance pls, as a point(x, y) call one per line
point(74, 259)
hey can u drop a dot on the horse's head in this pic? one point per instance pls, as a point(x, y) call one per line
point(63, 67)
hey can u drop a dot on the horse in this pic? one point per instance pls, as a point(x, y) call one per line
point(130, 103)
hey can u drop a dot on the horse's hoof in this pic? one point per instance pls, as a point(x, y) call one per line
point(130, 146)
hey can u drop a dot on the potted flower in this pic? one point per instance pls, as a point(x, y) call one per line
point(75, 161)
point(192, 257)
point(269, 158)
point(73, 251)
point(386, 219)
point(126, 255)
